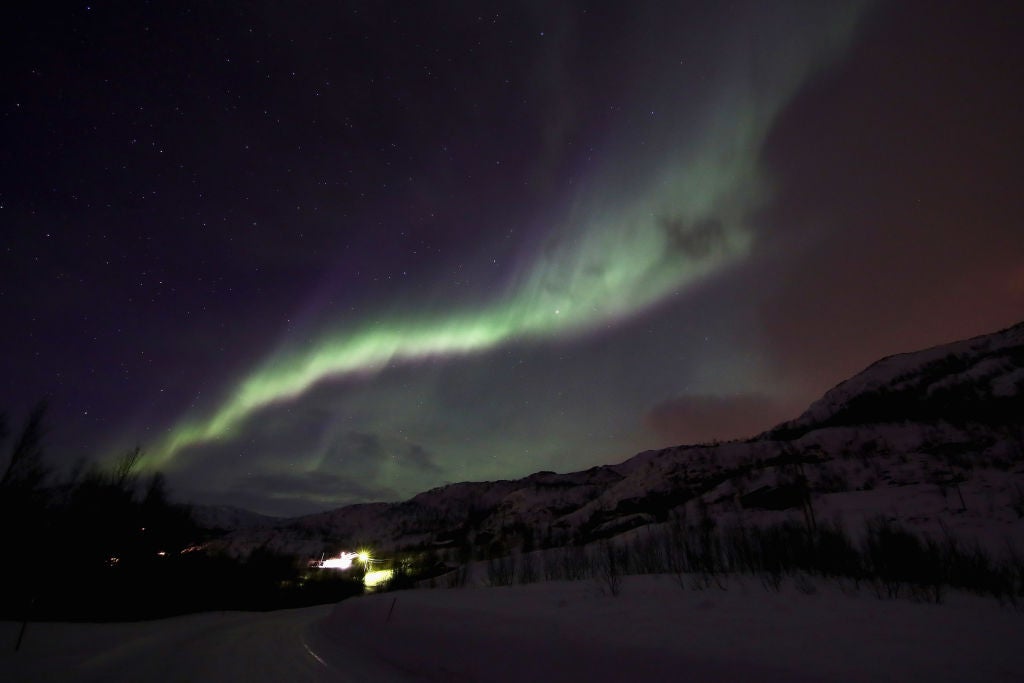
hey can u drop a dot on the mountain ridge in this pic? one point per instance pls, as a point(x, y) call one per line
point(915, 423)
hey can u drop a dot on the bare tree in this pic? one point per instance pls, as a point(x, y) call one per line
point(123, 473)
point(25, 469)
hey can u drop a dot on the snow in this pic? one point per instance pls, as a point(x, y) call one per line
point(556, 631)
point(905, 369)
point(1009, 384)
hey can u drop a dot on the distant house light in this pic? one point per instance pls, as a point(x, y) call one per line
point(342, 561)
point(377, 577)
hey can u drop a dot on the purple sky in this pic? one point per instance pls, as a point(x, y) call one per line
point(349, 253)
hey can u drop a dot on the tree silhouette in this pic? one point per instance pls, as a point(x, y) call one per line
point(25, 470)
point(25, 513)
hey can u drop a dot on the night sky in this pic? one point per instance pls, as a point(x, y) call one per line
point(310, 254)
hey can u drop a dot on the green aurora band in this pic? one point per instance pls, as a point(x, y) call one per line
point(603, 264)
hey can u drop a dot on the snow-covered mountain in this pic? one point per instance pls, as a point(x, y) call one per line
point(933, 438)
point(975, 381)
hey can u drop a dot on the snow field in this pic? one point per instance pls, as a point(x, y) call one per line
point(570, 631)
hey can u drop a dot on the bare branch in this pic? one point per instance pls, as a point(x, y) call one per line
point(25, 466)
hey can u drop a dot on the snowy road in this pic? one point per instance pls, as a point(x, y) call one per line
point(252, 647)
point(558, 631)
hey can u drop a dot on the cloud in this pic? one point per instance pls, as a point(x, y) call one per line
point(695, 419)
point(287, 494)
point(695, 241)
point(367, 453)
point(420, 458)
point(355, 451)
point(303, 457)
point(314, 485)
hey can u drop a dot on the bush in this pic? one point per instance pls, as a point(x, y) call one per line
point(609, 563)
point(501, 571)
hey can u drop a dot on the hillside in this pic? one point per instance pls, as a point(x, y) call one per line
point(933, 439)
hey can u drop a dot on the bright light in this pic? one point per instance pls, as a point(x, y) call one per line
point(345, 560)
point(377, 577)
point(342, 561)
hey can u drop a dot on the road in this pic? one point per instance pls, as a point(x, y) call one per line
point(252, 647)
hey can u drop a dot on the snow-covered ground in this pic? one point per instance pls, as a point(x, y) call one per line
point(556, 631)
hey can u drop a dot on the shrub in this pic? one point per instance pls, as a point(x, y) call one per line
point(609, 563)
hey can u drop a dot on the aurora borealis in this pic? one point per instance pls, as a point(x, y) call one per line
point(346, 254)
